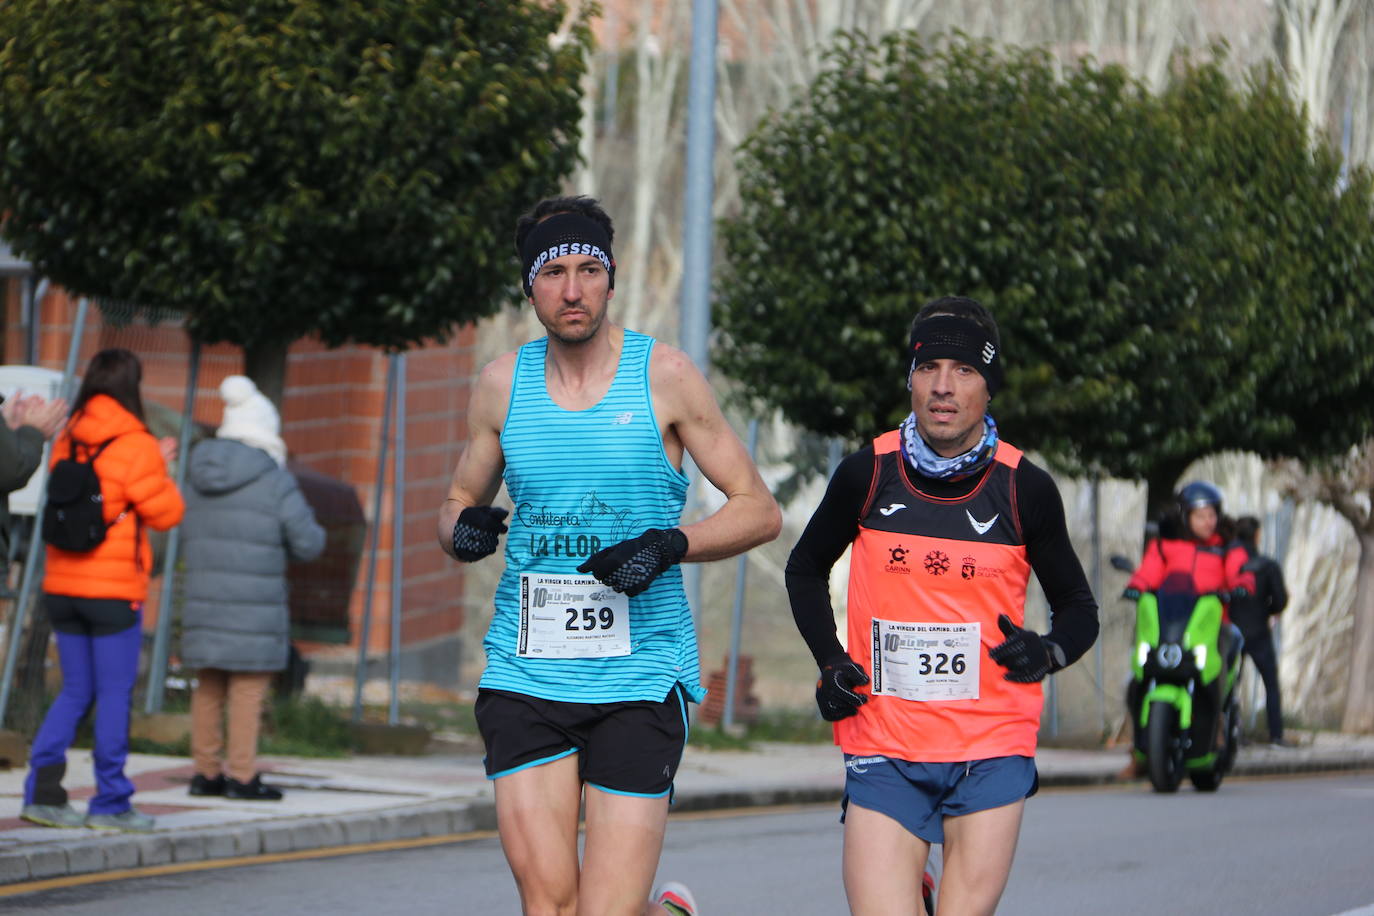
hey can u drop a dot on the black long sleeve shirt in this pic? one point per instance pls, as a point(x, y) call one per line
point(835, 524)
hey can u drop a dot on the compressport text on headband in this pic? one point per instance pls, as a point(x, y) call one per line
point(962, 339)
point(564, 234)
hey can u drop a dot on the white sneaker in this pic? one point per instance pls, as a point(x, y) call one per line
point(676, 899)
point(131, 821)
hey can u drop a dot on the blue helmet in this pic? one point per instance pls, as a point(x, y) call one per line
point(1197, 494)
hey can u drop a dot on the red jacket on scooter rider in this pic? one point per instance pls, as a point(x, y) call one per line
point(1201, 558)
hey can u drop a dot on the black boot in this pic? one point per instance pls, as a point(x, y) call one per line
point(47, 785)
point(204, 785)
point(252, 790)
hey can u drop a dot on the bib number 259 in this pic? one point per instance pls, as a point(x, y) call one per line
point(589, 618)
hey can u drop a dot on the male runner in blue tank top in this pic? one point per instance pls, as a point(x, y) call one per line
point(591, 652)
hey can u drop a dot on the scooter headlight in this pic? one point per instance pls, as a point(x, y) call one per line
point(1200, 657)
point(1142, 652)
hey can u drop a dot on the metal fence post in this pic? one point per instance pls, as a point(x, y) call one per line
point(398, 516)
point(157, 667)
point(31, 560)
point(727, 719)
point(365, 628)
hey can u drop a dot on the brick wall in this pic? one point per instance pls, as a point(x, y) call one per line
point(331, 421)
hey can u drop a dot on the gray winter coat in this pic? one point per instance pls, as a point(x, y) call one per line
point(244, 517)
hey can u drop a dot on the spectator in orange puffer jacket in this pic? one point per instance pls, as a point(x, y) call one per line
point(95, 598)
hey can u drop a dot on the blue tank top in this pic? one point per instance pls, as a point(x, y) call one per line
point(582, 480)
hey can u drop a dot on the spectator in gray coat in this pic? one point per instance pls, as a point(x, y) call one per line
point(245, 518)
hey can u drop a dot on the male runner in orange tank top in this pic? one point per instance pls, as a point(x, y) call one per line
point(937, 701)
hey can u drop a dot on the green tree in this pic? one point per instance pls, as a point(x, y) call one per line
point(285, 167)
point(1173, 275)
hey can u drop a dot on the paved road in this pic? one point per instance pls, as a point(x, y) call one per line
point(1292, 846)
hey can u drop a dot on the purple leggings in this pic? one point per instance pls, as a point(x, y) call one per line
point(99, 670)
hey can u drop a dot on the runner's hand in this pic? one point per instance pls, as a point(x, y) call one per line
point(1024, 654)
point(476, 532)
point(632, 565)
point(1131, 594)
point(834, 693)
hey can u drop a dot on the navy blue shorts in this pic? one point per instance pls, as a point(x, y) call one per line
point(630, 748)
point(919, 796)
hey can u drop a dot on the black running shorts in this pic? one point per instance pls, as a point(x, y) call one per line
point(631, 748)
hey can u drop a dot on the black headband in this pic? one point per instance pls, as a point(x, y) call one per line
point(564, 234)
point(962, 339)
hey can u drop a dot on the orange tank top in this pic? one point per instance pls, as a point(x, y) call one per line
point(927, 578)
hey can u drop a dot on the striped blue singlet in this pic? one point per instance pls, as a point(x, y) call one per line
point(581, 481)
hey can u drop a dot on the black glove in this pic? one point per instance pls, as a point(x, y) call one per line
point(1024, 654)
point(476, 532)
point(1131, 594)
point(1240, 591)
point(833, 694)
point(631, 565)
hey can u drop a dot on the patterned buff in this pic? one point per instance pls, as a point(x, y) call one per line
point(930, 464)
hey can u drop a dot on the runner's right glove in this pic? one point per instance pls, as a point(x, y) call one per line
point(477, 531)
point(834, 693)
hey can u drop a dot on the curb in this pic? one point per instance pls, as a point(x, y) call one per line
point(80, 855)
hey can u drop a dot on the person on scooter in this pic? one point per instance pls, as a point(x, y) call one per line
point(1191, 553)
point(1199, 551)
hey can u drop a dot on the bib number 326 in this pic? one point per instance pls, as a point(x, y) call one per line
point(926, 661)
point(571, 617)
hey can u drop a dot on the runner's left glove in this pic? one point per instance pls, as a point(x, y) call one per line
point(631, 565)
point(477, 531)
point(1025, 654)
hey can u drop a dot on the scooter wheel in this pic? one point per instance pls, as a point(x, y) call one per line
point(1164, 747)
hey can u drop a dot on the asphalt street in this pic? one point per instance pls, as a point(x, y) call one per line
point(1293, 845)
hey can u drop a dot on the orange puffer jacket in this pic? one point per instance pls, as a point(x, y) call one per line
point(132, 476)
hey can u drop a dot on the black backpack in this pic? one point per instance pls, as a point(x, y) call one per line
point(74, 515)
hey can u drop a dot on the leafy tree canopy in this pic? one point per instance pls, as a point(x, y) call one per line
point(1173, 274)
point(284, 167)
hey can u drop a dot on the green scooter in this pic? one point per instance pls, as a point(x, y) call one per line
point(1182, 696)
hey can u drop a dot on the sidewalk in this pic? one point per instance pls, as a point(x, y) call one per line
point(332, 803)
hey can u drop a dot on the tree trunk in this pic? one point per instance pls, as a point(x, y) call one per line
point(1359, 697)
point(1161, 484)
point(265, 363)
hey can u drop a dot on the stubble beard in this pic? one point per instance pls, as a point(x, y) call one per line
point(578, 336)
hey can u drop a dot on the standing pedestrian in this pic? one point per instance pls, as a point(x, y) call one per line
point(1255, 614)
point(245, 519)
point(94, 597)
point(29, 421)
point(591, 652)
point(936, 702)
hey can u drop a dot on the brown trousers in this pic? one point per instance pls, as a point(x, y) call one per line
point(245, 691)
